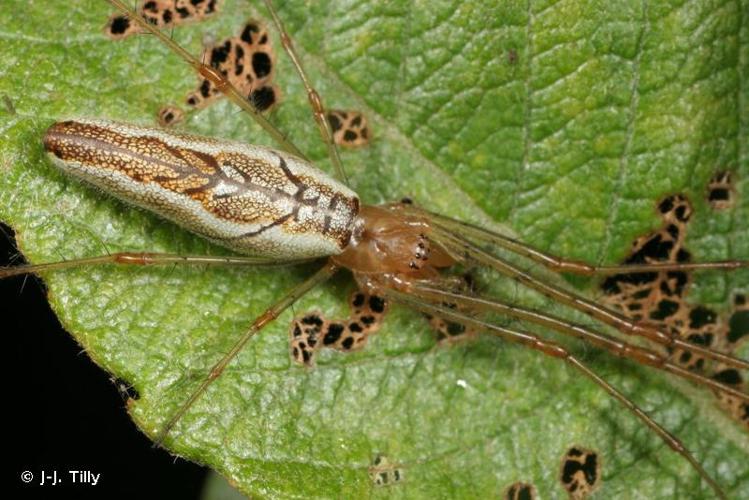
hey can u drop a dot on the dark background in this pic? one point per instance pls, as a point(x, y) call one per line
point(65, 412)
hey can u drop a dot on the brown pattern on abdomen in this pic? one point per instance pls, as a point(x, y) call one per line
point(244, 186)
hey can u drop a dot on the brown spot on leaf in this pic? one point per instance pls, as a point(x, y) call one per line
point(580, 473)
point(660, 299)
point(367, 312)
point(350, 128)
point(160, 13)
point(450, 332)
point(170, 115)
point(520, 491)
point(383, 472)
point(720, 191)
point(248, 62)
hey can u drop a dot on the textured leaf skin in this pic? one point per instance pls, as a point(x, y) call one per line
point(602, 110)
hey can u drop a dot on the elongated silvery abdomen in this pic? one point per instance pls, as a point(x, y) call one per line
point(251, 199)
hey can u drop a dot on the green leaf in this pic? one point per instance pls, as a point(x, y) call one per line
point(564, 122)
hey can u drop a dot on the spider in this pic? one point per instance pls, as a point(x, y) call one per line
point(297, 214)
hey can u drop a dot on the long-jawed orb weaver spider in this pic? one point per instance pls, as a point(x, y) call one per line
point(394, 250)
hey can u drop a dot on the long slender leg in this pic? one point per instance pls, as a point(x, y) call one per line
point(142, 259)
point(261, 321)
point(215, 77)
point(315, 101)
point(556, 351)
point(625, 325)
point(611, 344)
point(559, 264)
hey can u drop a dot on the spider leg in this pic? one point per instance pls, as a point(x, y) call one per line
point(260, 322)
point(315, 101)
point(214, 76)
point(556, 351)
point(142, 259)
point(560, 264)
point(615, 346)
point(460, 246)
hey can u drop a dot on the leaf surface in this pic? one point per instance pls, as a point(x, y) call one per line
point(561, 122)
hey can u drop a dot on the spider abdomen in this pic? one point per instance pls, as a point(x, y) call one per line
point(251, 199)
